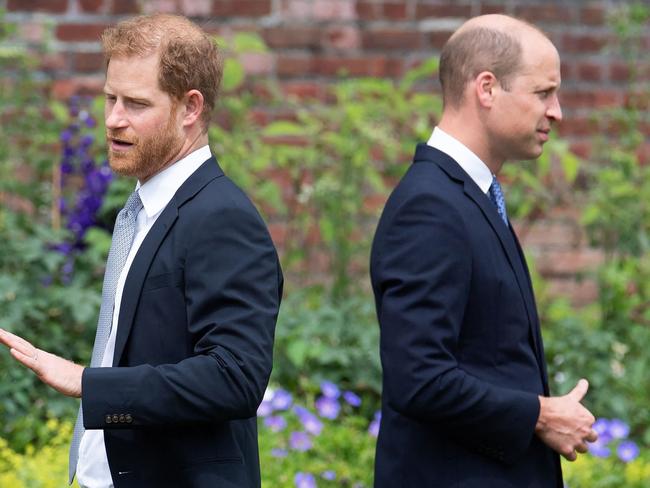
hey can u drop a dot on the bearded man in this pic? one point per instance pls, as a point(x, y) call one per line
point(192, 288)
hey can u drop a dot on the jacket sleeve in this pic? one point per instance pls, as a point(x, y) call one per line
point(422, 271)
point(233, 287)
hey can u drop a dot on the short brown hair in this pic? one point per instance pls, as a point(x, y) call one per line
point(189, 58)
point(469, 53)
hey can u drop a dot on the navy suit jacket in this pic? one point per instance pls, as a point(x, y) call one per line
point(193, 351)
point(461, 350)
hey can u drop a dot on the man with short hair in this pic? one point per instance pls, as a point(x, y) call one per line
point(465, 389)
point(192, 287)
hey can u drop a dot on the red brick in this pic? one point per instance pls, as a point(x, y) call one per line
point(79, 32)
point(294, 65)
point(278, 231)
point(122, 7)
point(395, 11)
point(369, 10)
point(437, 39)
point(423, 10)
point(62, 89)
point(571, 262)
point(88, 62)
point(333, 10)
point(589, 71)
point(292, 37)
point(643, 153)
point(52, 6)
point(304, 90)
point(547, 233)
point(593, 15)
point(577, 126)
point(357, 66)
point(580, 293)
point(53, 61)
point(495, 9)
point(567, 70)
point(195, 8)
point(590, 99)
point(257, 63)
point(583, 43)
point(582, 149)
point(159, 6)
point(91, 5)
point(343, 37)
point(241, 8)
point(387, 39)
point(545, 13)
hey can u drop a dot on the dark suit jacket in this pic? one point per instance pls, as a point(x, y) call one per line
point(194, 345)
point(461, 349)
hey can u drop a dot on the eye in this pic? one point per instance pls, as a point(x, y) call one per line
point(544, 94)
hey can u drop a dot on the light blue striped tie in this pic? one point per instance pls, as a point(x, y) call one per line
point(120, 247)
point(496, 195)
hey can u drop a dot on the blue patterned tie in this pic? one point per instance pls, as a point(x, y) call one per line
point(496, 195)
point(120, 247)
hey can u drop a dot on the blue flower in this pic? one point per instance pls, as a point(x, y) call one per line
point(310, 422)
point(279, 453)
point(281, 400)
point(627, 451)
point(328, 475)
point(618, 429)
point(329, 389)
point(299, 441)
point(328, 407)
point(352, 399)
point(305, 480)
point(599, 448)
point(265, 409)
point(373, 428)
point(275, 423)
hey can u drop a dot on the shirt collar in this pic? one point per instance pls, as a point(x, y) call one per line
point(470, 162)
point(159, 190)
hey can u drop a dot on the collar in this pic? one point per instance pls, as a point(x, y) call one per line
point(466, 159)
point(159, 190)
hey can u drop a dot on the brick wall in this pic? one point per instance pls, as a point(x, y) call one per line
point(313, 40)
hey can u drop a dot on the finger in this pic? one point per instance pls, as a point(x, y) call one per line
point(582, 448)
point(592, 436)
point(580, 390)
point(572, 456)
point(30, 361)
point(16, 342)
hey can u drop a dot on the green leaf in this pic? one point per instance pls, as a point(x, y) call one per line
point(233, 75)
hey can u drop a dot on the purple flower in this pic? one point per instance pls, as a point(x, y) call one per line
point(279, 453)
point(373, 428)
point(618, 429)
point(627, 451)
point(310, 422)
point(328, 475)
point(281, 400)
point(328, 407)
point(599, 448)
point(299, 441)
point(329, 389)
point(265, 409)
point(352, 398)
point(305, 480)
point(275, 423)
point(601, 426)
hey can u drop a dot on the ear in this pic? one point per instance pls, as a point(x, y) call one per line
point(192, 104)
point(485, 86)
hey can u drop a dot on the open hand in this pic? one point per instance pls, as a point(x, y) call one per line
point(61, 374)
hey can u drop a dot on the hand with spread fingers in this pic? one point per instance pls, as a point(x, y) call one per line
point(564, 424)
point(61, 374)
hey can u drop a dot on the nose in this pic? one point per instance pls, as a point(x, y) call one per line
point(114, 115)
point(554, 111)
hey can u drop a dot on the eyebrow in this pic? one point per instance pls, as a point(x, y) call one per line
point(126, 97)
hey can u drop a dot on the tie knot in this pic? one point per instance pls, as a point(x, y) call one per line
point(133, 205)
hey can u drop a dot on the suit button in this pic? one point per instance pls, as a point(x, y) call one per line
point(116, 418)
point(121, 418)
point(128, 418)
point(109, 419)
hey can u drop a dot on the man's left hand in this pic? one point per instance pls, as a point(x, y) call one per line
point(61, 374)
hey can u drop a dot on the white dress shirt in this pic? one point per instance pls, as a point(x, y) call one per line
point(470, 162)
point(156, 193)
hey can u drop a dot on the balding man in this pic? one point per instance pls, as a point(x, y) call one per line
point(192, 287)
point(465, 389)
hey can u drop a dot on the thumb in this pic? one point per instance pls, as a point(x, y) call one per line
point(580, 390)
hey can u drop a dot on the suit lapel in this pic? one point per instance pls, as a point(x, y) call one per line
point(154, 238)
point(505, 234)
